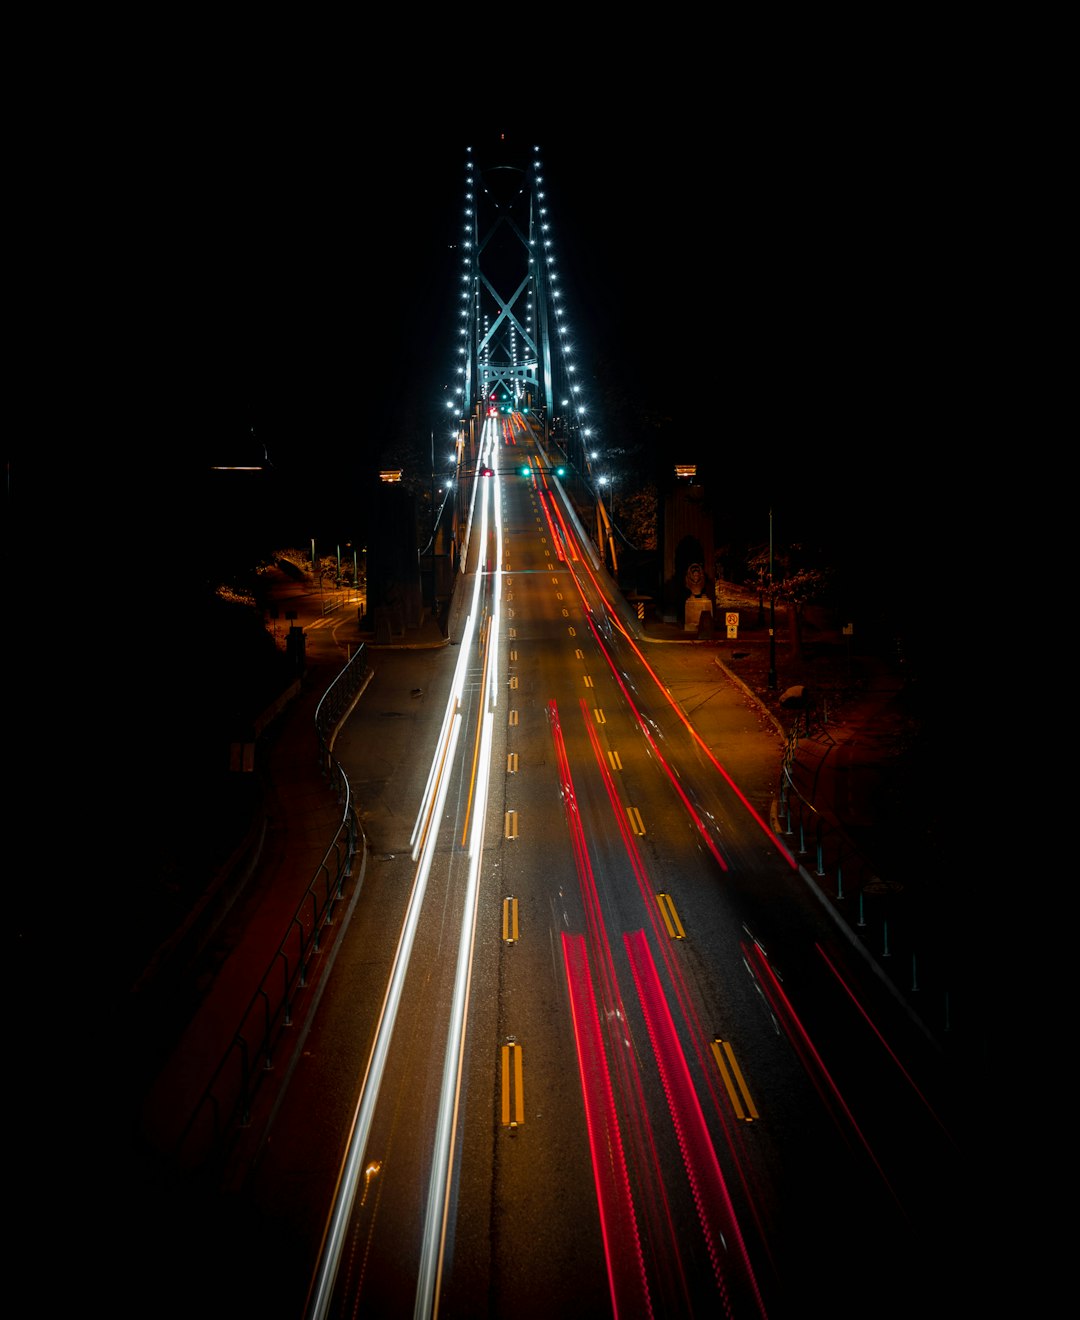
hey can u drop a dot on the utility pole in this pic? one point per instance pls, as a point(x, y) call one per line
point(772, 615)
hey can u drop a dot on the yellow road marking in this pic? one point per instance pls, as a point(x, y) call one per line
point(671, 917)
point(510, 920)
point(511, 825)
point(636, 823)
point(511, 1056)
point(732, 1076)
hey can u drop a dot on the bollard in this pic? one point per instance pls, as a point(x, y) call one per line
point(885, 928)
point(862, 919)
point(839, 882)
point(820, 853)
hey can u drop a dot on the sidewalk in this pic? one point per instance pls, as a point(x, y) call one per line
point(200, 985)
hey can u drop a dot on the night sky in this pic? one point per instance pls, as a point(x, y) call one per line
point(798, 304)
point(797, 284)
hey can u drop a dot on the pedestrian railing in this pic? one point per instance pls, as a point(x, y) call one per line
point(880, 911)
point(286, 991)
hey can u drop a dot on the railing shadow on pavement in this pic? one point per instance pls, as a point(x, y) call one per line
point(287, 992)
point(879, 912)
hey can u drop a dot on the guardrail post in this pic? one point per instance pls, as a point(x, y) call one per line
point(245, 1082)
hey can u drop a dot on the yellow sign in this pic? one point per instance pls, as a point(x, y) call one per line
point(731, 618)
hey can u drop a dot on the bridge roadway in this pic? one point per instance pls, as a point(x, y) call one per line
point(254, 1240)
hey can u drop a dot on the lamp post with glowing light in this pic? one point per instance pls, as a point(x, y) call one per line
point(772, 614)
point(609, 483)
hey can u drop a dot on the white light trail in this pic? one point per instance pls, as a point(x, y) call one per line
point(369, 1089)
point(437, 1216)
point(423, 843)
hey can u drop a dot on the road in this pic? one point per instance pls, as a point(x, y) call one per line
point(591, 1045)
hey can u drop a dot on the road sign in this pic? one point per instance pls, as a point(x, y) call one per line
point(731, 618)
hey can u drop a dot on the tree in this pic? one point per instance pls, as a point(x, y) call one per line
point(637, 516)
point(798, 590)
point(760, 569)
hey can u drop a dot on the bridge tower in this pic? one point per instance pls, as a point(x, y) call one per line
point(507, 290)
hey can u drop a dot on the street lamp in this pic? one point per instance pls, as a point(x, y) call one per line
point(772, 615)
point(609, 482)
point(313, 567)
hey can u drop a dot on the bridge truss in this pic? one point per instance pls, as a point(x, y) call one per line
point(510, 300)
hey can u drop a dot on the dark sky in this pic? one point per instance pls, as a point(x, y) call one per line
point(796, 301)
point(800, 285)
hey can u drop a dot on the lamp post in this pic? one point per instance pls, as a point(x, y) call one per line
point(313, 568)
point(772, 615)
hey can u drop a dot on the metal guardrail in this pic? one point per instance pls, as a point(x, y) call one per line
point(877, 910)
point(287, 986)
